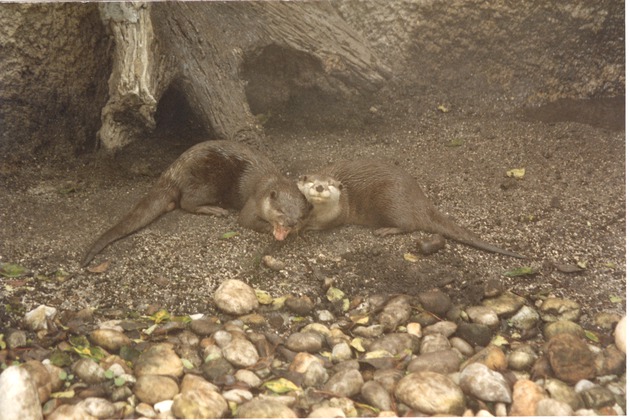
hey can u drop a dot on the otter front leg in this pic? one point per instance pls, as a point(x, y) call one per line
point(211, 210)
point(389, 231)
point(248, 217)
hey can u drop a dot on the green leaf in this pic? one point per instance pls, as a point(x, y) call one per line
point(63, 375)
point(263, 297)
point(520, 271)
point(333, 294)
point(160, 316)
point(187, 364)
point(499, 341)
point(79, 341)
point(455, 143)
point(119, 381)
point(3, 345)
point(60, 358)
point(616, 299)
point(63, 394)
point(12, 270)
point(109, 374)
point(281, 386)
point(518, 173)
point(229, 235)
point(591, 336)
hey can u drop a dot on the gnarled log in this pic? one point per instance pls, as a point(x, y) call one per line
point(199, 48)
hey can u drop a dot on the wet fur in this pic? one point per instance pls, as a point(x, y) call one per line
point(379, 194)
point(209, 178)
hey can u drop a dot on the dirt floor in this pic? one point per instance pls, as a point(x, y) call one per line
point(568, 210)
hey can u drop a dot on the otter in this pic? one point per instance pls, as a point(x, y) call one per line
point(379, 194)
point(209, 178)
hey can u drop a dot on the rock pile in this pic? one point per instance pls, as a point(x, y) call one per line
point(265, 357)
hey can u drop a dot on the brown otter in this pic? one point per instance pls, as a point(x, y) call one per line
point(210, 177)
point(379, 194)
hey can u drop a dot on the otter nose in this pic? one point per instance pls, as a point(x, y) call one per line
point(319, 188)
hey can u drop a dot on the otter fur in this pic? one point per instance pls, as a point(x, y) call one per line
point(379, 194)
point(209, 178)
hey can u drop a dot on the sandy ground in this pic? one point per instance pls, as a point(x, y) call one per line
point(568, 209)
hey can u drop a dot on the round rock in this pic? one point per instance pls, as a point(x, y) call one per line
point(483, 315)
point(235, 297)
point(444, 361)
point(159, 359)
point(152, 389)
point(570, 358)
point(620, 335)
point(487, 385)
point(240, 352)
point(199, 404)
point(431, 393)
point(346, 383)
point(264, 409)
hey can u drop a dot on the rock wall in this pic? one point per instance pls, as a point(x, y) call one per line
point(527, 52)
point(53, 78)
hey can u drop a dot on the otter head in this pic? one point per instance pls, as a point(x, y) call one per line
point(320, 189)
point(286, 209)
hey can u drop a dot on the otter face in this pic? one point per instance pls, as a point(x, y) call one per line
point(286, 212)
point(320, 189)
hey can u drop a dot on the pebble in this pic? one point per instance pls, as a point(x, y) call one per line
point(560, 391)
point(570, 358)
point(551, 407)
point(89, 371)
point(396, 343)
point(18, 395)
point(431, 393)
point(248, 377)
point(487, 385)
point(159, 359)
point(462, 346)
point(435, 302)
point(311, 367)
point(40, 377)
point(152, 389)
point(376, 395)
point(199, 404)
point(525, 319)
point(305, 341)
point(483, 315)
point(434, 342)
point(40, 318)
point(525, 397)
point(302, 305)
point(70, 412)
point(235, 297)
point(446, 328)
point(443, 361)
point(597, 397)
point(520, 360)
point(110, 340)
point(506, 304)
point(555, 309)
point(475, 334)
point(15, 339)
point(264, 409)
point(327, 413)
point(98, 407)
point(341, 352)
point(620, 335)
point(396, 312)
point(491, 356)
point(606, 320)
point(346, 383)
point(562, 327)
point(240, 352)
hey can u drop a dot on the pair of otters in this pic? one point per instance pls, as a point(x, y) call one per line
point(213, 176)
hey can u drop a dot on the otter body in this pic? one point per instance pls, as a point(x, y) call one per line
point(209, 178)
point(378, 194)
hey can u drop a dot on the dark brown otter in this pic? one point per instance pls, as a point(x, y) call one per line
point(209, 178)
point(379, 194)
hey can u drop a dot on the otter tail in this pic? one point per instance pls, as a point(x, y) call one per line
point(161, 199)
point(444, 226)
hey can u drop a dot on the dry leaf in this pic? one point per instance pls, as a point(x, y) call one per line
point(101, 268)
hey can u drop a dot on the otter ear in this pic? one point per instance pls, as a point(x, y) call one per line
point(340, 186)
point(273, 194)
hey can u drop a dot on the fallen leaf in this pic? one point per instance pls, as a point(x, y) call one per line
point(228, 235)
point(455, 143)
point(616, 299)
point(499, 341)
point(101, 268)
point(12, 270)
point(516, 173)
point(591, 336)
point(410, 257)
point(333, 294)
point(281, 386)
point(520, 271)
point(442, 108)
point(263, 297)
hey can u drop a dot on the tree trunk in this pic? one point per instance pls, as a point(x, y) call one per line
point(201, 50)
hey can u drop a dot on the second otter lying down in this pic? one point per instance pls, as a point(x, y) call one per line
point(379, 194)
point(210, 177)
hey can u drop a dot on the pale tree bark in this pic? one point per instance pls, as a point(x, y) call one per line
point(199, 48)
